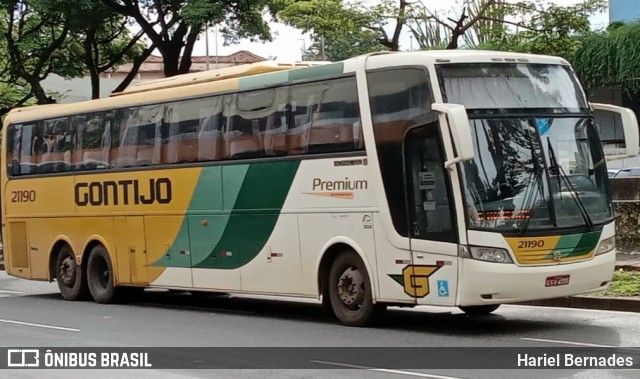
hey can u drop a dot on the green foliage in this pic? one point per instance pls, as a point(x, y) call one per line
point(347, 29)
point(11, 95)
point(624, 283)
point(609, 58)
point(545, 29)
point(477, 22)
point(239, 19)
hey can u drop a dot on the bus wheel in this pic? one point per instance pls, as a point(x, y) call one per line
point(100, 276)
point(71, 282)
point(479, 310)
point(350, 291)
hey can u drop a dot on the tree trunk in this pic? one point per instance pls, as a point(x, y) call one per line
point(92, 62)
point(137, 62)
point(40, 94)
point(171, 56)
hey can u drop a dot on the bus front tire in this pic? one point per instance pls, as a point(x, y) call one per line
point(100, 276)
point(349, 289)
point(69, 276)
point(479, 310)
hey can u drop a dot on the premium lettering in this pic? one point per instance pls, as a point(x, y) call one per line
point(339, 185)
point(123, 192)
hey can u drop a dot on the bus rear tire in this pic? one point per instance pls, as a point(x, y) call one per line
point(100, 276)
point(479, 310)
point(349, 289)
point(69, 276)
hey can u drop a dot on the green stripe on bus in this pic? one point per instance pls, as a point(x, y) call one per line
point(253, 198)
point(255, 215)
point(575, 245)
point(263, 80)
point(316, 71)
point(280, 77)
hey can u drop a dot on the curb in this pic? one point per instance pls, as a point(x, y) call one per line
point(628, 267)
point(624, 304)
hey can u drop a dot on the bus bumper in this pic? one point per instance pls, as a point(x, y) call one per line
point(499, 283)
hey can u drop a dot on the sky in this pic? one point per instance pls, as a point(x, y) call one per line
point(288, 42)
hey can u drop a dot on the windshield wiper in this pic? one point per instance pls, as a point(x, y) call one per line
point(530, 199)
point(560, 174)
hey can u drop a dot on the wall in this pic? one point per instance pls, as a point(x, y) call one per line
point(625, 193)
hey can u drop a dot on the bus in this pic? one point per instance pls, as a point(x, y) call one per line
point(459, 178)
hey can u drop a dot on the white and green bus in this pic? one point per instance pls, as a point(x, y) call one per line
point(464, 179)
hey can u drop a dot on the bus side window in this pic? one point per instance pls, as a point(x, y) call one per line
point(333, 122)
point(328, 121)
point(57, 146)
point(22, 149)
point(303, 101)
point(244, 114)
point(181, 123)
point(399, 99)
point(140, 136)
point(274, 134)
point(210, 131)
point(92, 152)
point(12, 147)
point(78, 125)
point(28, 148)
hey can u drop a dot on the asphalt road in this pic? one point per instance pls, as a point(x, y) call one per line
point(32, 314)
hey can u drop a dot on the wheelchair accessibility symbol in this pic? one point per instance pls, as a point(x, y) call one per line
point(443, 288)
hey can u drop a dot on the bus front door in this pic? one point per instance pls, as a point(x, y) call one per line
point(431, 216)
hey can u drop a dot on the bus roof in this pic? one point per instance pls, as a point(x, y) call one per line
point(213, 75)
point(474, 56)
point(198, 84)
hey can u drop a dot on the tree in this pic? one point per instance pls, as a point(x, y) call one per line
point(345, 33)
point(609, 58)
point(477, 21)
point(12, 95)
point(341, 30)
point(173, 26)
point(103, 36)
point(545, 29)
point(36, 43)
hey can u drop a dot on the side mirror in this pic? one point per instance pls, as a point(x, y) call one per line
point(460, 130)
point(629, 125)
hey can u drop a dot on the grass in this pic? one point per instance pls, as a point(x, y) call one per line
point(624, 284)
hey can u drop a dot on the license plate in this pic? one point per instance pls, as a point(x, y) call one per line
point(560, 280)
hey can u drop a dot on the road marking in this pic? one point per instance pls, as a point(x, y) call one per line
point(567, 342)
point(40, 325)
point(390, 371)
point(11, 292)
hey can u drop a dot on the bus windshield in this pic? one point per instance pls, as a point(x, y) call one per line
point(504, 86)
point(538, 163)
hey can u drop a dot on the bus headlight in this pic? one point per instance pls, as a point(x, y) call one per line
point(606, 245)
point(489, 254)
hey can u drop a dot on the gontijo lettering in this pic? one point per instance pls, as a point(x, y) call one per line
point(131, 191)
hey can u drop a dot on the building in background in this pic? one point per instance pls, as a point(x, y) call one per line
point(153, 68)
point(624, 10)
point(79, 89)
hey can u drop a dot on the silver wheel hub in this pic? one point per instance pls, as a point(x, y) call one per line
point(68, 271)
point(351, 288)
